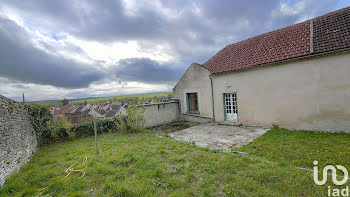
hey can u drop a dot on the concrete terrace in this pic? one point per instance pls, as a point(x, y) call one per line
point(220, 137)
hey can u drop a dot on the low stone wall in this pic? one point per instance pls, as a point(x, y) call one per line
point(17, 137)
point(161, 113)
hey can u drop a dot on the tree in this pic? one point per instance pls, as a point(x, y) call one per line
point(56, 126)
point(65, 101)
point(95, 116)
point(134, 119)
point(170, 96)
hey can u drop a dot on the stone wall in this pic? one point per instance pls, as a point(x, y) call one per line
point(161, 113)
point(17, 137)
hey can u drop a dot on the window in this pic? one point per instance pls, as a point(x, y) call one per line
point(192, 103)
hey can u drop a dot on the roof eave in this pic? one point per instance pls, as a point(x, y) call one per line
point(283, 61)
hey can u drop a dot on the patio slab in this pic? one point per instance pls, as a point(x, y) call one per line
point(221, 137)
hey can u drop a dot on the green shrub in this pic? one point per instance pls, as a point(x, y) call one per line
point(275, 126)
point(56, 127)
point(123, 126)
point(133, 121)
point(103, 126)
point(38, 116)
point(47, 130)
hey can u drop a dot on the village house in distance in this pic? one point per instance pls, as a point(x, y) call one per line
point(82, 112)
point(297, 77)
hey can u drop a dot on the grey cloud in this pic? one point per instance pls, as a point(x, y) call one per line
point(189, 34)
point(191, 37)
point(80, 94)
point(218, 24)
point(107, 20)
point(97, 20)
point(20, 60)
point(19, 86)
point(145, 70)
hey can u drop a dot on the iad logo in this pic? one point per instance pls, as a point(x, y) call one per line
point(334, 192)
point(334, 174)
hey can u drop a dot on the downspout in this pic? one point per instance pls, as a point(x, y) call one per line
point(179, 101)
point(212, 99)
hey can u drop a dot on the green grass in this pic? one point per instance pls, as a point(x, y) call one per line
point(118, 98)
point(301, 148)
point(146, 165)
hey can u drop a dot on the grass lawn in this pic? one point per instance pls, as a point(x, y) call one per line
point(301, 148)
point(146, 165)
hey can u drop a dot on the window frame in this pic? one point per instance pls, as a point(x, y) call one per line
point(194, 101)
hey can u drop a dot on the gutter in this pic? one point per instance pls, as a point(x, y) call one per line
point(212, 99)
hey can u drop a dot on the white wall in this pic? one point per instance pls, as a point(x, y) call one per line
point(313, 93)
point(161, 113)
point(195, 79)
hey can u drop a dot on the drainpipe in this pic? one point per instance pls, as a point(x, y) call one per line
point(212, 99)
point(179, 101)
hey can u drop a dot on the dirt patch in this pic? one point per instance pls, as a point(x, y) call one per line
point(175, 126)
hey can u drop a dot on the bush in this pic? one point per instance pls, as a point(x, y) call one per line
point(133, 121)
point(275, 126)
point(38, 116)
point(56, 127)
point(47, 130)
point(103, 126)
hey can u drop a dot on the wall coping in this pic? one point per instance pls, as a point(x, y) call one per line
point(168, 102)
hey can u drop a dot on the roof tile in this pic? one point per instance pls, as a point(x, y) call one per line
point(330, 32)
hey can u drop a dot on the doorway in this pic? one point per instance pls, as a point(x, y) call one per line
point(230, 107)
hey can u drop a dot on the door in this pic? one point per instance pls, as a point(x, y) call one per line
point(230, 104)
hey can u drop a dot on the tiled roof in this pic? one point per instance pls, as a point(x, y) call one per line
point(116, 107)
point(331, 32)
point(62, 111)
point(111, 113)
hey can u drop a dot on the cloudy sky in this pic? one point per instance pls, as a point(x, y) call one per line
point(74, 49)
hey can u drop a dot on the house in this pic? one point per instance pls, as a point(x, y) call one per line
point(60, 111)
point(82, 113)
point(297, 77)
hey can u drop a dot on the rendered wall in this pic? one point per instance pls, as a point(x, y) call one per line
point(195, 79)
point(161, 113)
point(312, 94)
point(17, 137)
point(197, 119)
